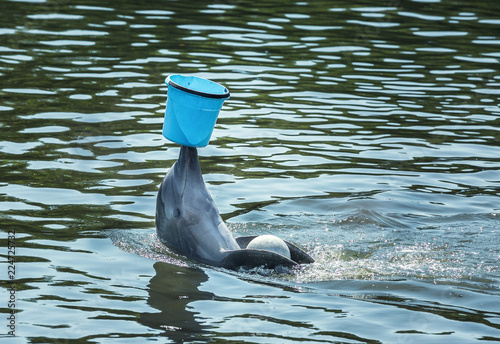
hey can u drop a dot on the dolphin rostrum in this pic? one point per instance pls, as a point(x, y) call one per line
point(187, 221)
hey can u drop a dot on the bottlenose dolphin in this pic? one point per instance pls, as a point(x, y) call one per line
point(188, 222)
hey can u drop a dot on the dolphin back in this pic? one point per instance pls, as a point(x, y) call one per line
point(249, 259)
point(297, 255)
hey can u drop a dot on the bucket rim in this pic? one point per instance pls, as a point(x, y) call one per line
point(172, 83)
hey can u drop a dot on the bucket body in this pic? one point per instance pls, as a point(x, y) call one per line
point(193, 105)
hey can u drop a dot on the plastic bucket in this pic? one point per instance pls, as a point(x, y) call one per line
point(193, 105)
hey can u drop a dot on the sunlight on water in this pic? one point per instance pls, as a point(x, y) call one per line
point(366, 134)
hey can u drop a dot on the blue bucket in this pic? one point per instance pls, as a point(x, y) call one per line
point(193, 105)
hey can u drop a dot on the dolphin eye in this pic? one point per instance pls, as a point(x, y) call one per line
point(178, 212)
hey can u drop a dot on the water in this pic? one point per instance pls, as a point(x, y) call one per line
point(366, 133)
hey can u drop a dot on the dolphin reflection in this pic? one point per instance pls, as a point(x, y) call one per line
point(170, 291)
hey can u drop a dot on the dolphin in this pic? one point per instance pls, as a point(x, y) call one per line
point(188, 222)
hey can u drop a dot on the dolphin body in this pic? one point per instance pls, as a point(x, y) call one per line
point(188, 222)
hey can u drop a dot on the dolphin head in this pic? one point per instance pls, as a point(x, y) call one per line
point(187, 219)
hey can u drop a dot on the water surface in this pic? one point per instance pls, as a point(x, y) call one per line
point(365, 133)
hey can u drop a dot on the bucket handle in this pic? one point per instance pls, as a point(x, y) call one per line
point(172, 83)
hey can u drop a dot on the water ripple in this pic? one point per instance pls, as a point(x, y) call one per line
point(366, 134)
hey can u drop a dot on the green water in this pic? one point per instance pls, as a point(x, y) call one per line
point(365, 132)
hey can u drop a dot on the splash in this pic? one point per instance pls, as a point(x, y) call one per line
point(420, 261)
point(436, 249)
point(146, 244)
point(354, 248)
